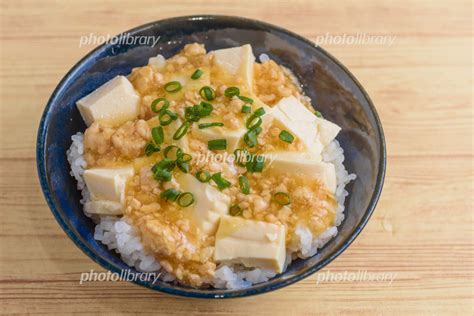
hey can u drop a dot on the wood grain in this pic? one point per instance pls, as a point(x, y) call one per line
point(421, 230)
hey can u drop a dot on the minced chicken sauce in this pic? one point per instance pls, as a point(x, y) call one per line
point(166, 228)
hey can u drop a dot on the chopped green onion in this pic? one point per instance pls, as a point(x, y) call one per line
point(173, 86)
point(259, 164)
point(162, 170)
point(185, 157)
point(318, 114)
point(259, 112)
point(245, 99)
point(207, 93)
point(250, 138)
point(162, 175)
point(246, 109)
point(191, 113)
point(204, 109)
point(282, 198)
point(207, 125)
point(219, 181)
point(178, 152)
point(151, 148)
point(286, 137)
point(182, 130)
point(166, 163)
point(183, 166)
point(253, 122)
point(241, 156)
point(256, 163)
point(257, 130)
point(197, 74)
point(155, 103)
point(185, 199)
point(231, 91)
point(169, 195)
point(166, 117)
point(235, 210)
point(203, 176)
point(244, 184)
point(217, 144)
point(158, 135)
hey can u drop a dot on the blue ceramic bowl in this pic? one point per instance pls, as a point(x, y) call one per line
point(332, 88)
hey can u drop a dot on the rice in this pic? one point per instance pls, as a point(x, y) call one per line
point(119, 235)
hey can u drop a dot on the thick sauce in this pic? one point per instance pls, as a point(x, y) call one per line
point(168, 229)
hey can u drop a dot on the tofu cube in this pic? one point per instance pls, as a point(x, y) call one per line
point(314, 132)
point(233, 137)
point(108, 184)
point(103, 207)
point(327, 130)
point(115, 102)
point(209, 203)
point(237, 62)
point(303, 163)
point(255, 244)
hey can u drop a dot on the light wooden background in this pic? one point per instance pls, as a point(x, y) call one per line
point(421, 229)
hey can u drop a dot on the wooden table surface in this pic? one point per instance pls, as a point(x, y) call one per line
point(421, 230)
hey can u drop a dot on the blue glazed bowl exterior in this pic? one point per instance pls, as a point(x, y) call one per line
point(333, 89)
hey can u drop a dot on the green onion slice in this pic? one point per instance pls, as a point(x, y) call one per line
point(231, 91)
point(235, 210)
point(165, 164)
point(173, 86)
point(253, 122)
point(217, 144)
point(241, 156)
point(246, 109)
point(182, 130)
point(170, 194)
point(166, 117)
point(185, 199)
point(250, 138)
point(245, 99)
point(244, 184)
point(177, 152)
point(256, 163)
point(158, 101)
point(203, 176)
point(207, 93)
point(184, 157)
point(259, 163)
point(183, 166)
point(219, 181)
point(157, 135)
point(162, 175)
point(204, 109)
point(151, 148)
point(191, 113)
point(207, 125)
point(318, 114)
point(259, 112)
point(197, 74)
point(282, 198)
point(286, 137)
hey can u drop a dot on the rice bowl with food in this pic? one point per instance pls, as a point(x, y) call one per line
point(210, 168)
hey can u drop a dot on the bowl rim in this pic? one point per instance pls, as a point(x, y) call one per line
point(42, 172)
